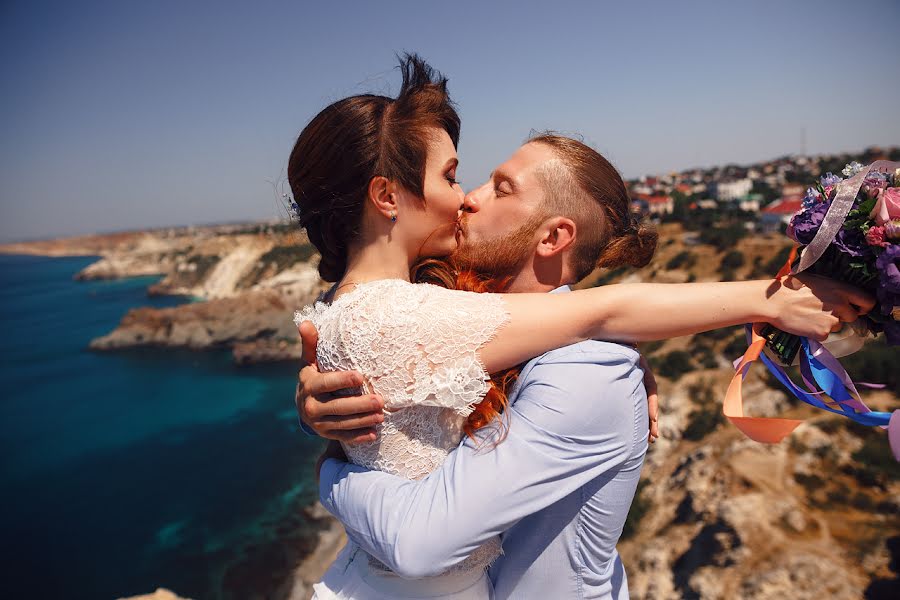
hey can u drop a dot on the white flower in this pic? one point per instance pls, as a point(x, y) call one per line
point(852, 169)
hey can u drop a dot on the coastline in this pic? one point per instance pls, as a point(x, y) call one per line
point(244, 281)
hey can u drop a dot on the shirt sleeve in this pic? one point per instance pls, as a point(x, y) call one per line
point(573, 420)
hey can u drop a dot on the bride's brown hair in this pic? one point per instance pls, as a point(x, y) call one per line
point(355, 139)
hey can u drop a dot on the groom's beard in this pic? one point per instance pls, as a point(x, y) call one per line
point(503, 256)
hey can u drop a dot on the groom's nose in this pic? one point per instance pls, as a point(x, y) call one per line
point(470, 203)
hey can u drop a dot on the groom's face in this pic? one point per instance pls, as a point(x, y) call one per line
point(501, 230)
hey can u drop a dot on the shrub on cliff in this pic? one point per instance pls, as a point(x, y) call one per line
point(673, 364)
point(706, 417)
point(876, 362)
point(734, 259)
point(683, 260)
point(702, 422)
point(770, 267)
point(640, 506)
point(723, 237)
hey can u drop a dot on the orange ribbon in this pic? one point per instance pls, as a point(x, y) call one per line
point(767, 430)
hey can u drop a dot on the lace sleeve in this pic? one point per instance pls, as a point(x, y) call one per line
point(417, 343)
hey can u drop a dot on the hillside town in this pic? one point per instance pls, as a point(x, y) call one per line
point(761, 196)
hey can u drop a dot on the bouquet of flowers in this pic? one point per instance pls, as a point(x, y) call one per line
point(849, 230)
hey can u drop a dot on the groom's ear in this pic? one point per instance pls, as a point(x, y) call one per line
point(558, 234)
point(382, 193)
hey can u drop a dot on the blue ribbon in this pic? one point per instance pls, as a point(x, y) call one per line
point(829, 383)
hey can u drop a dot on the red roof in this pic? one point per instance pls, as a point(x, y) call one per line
point(654, 199)
point(786, 206)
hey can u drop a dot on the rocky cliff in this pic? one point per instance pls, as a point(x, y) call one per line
point(246, 280)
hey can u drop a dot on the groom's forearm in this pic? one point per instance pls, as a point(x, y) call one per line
point(422, 528)
point(369, 504)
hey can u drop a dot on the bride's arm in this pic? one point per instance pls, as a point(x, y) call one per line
point(641, 312)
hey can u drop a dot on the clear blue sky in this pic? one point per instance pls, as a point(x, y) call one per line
point(123, 115)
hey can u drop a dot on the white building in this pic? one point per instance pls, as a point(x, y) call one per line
point(730, 190)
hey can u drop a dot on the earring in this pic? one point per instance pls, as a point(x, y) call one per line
point(393, 217)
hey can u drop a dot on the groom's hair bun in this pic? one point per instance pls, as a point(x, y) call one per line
point(587, 188)
point(634, 247)
point(355, 139)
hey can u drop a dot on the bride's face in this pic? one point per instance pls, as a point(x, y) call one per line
point(432, 226)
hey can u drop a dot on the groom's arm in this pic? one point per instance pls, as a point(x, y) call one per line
point(573, 420)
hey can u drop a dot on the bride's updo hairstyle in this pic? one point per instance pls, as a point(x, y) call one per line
point(589, 190)
point(355, 139)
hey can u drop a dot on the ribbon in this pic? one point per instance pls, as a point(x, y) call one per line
point(820, 369)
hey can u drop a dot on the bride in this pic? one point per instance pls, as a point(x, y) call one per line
point(374, 183)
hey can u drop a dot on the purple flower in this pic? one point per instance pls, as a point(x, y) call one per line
point(886, 263)
point(805, 224)
point(829, 179)
point(878, 178)
point(887, 301)
point(852, 242)
point(892, 333)
point(812, 196)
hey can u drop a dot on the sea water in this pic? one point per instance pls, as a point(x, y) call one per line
point(127, 471)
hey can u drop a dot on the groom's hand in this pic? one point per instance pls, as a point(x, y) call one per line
point(332, 450)
point(349, 419)
point(652, 399)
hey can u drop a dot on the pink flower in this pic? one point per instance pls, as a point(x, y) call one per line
point(887, 207)
point(828, 189)
point(871, 191)
point(875, 236)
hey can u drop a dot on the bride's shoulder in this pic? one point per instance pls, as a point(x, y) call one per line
point(389, 290)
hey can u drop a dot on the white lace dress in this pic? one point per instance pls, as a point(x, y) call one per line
point(416, 346)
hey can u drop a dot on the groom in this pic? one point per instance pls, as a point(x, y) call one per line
point(558, 487)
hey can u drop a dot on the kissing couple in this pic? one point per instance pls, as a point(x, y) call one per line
point(491, 434)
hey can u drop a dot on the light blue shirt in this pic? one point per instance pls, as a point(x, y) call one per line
point(557, 488)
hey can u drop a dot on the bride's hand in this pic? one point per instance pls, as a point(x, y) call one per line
point(349, 419)
point(813, 306)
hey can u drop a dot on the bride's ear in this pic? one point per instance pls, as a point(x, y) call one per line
point(558, 234)
point(382, 193)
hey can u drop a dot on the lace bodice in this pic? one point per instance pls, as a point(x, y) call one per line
point(416, 346)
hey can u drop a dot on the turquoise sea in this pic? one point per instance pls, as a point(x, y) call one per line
point(130, 471)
